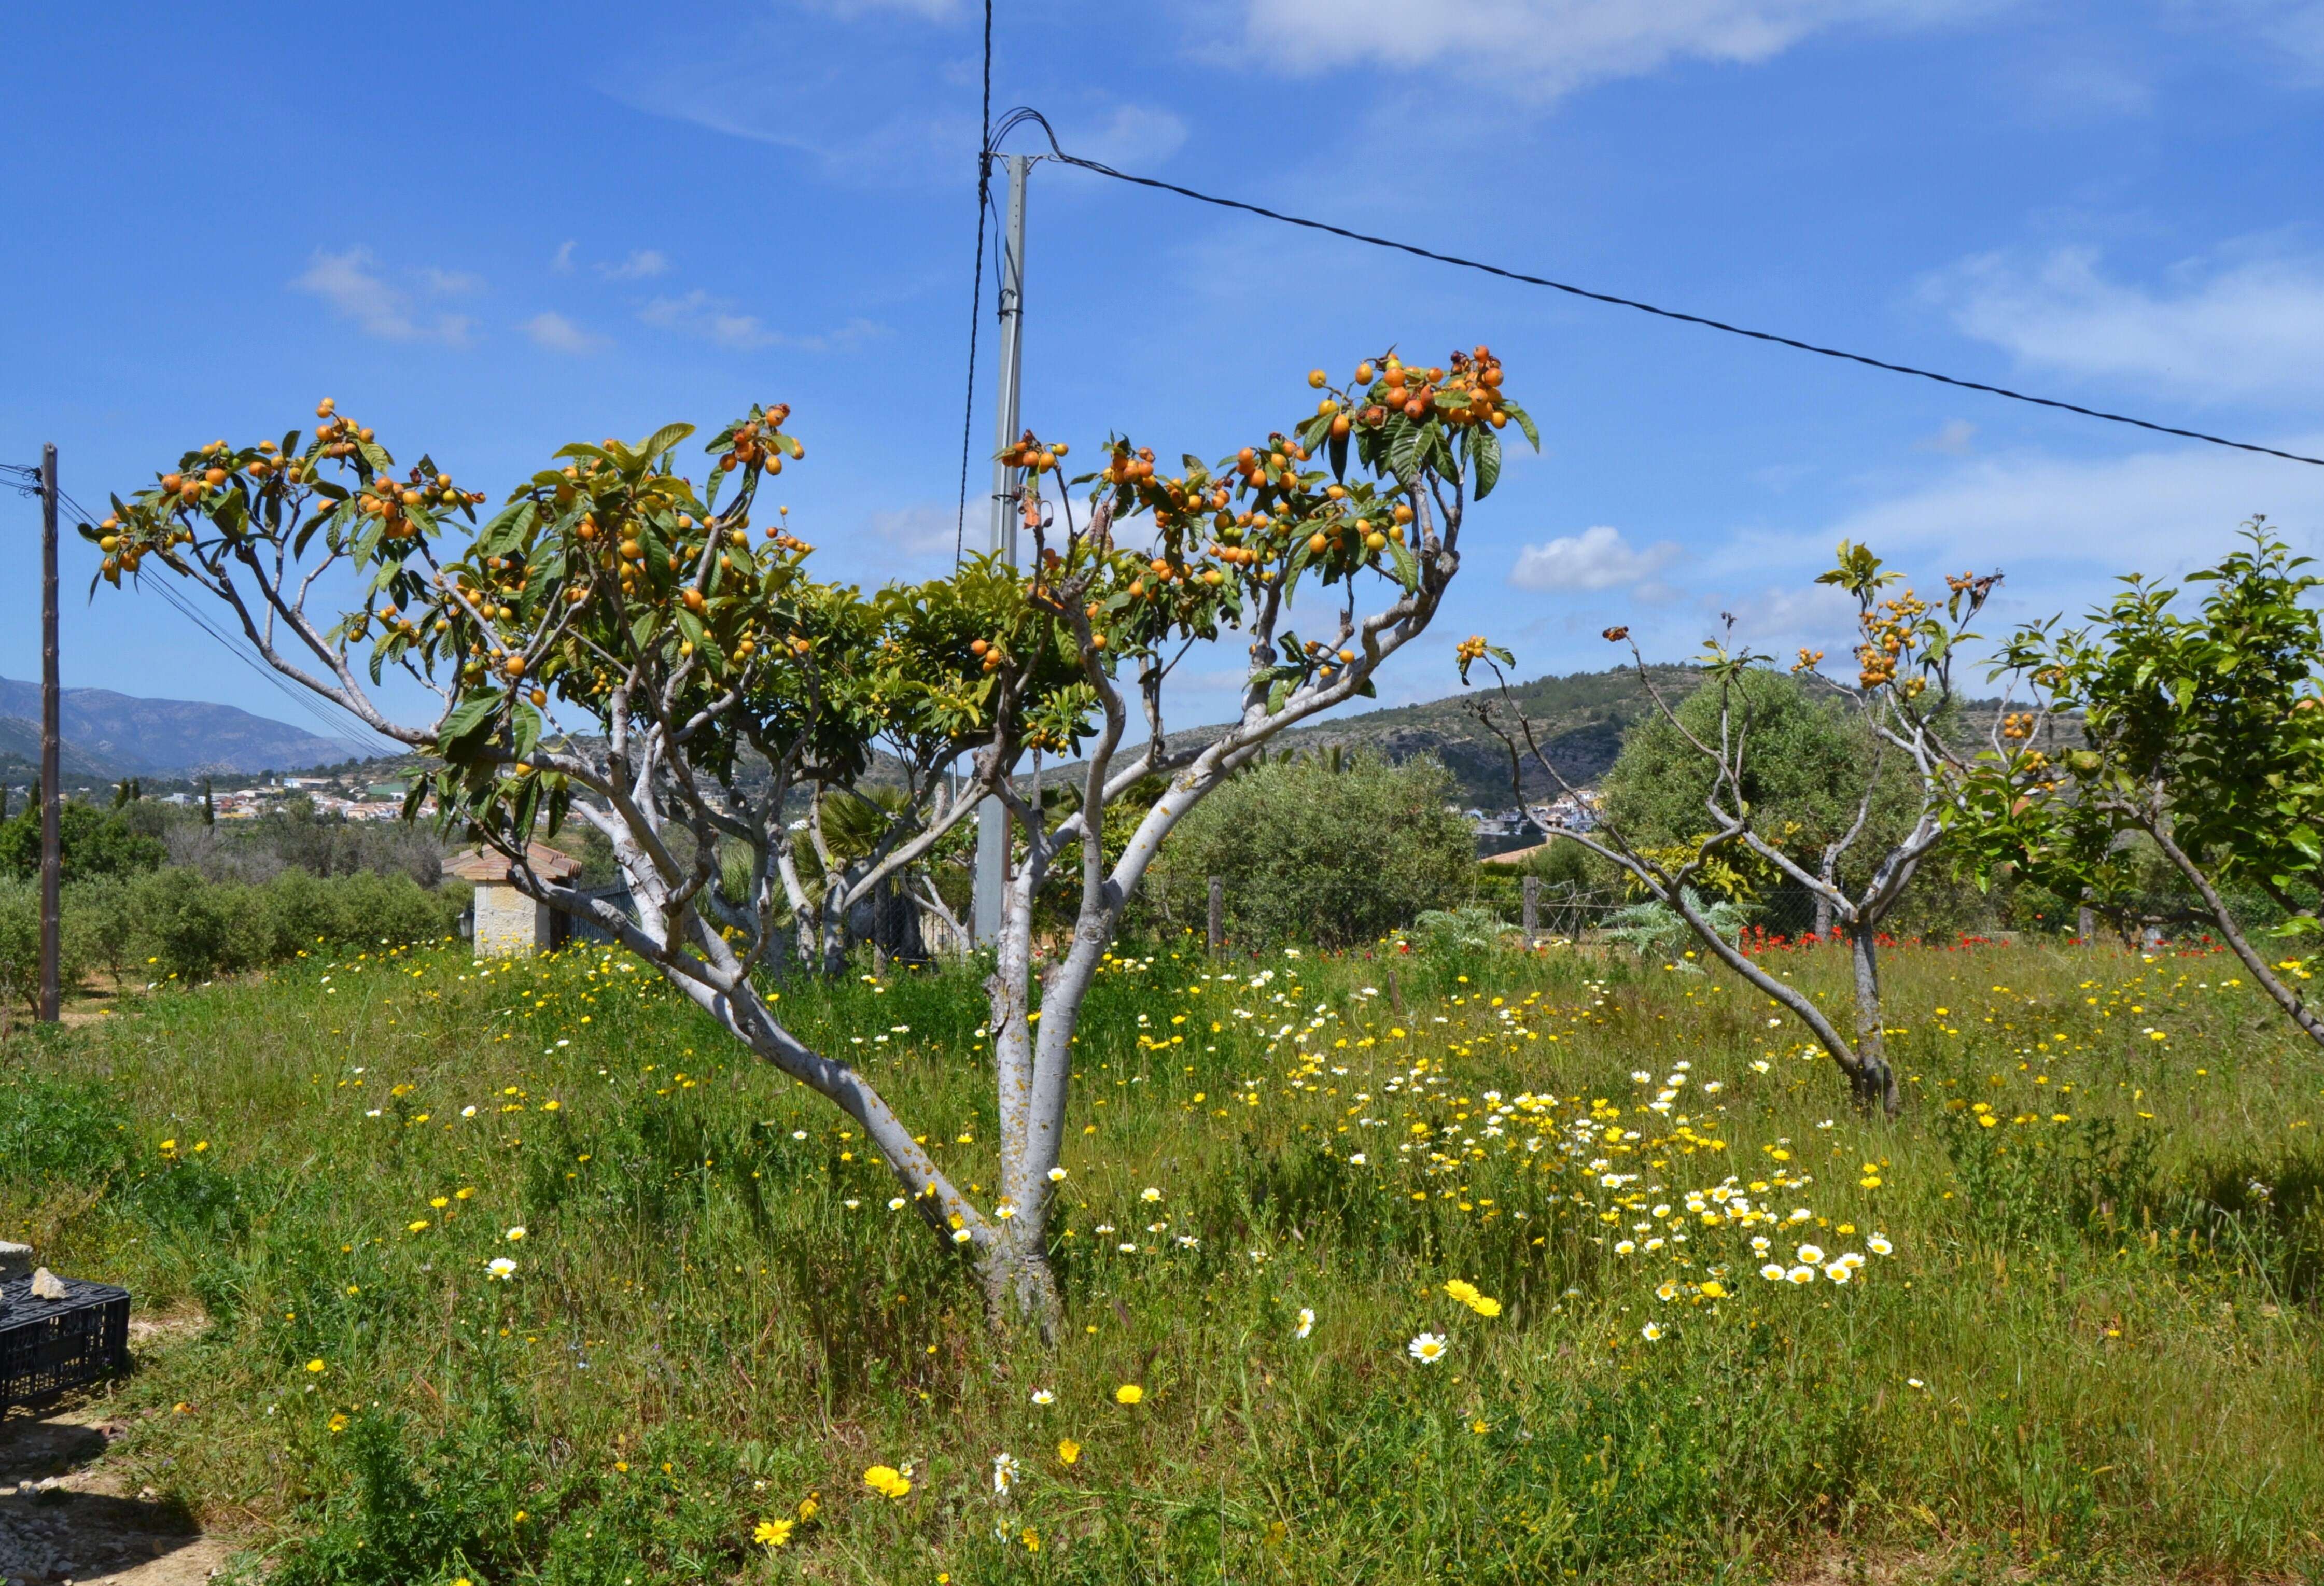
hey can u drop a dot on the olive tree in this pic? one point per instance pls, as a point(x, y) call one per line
point(1333, 853)
point(613, 647)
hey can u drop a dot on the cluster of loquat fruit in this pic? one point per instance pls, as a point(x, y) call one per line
point(233, 488)
point(1890, 628)
point(1263, 516)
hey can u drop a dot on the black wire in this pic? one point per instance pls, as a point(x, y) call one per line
point(1018, 117)
point(976, 294)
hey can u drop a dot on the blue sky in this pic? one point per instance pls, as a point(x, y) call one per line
point(486, 234)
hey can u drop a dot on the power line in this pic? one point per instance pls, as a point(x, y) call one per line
point(1018, 117)
point(976, 293)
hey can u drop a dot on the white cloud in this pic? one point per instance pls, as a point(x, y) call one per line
point(557, 333)
point(924, 530)
point(759, 93)
point(1130, 136)
point(927, 10)
point(2064, 530)
point(451, 283)
point(562, 262)
point(2247, 327)
point(1544, 48)
point(1953, 437)
point(1780, 618)
point(721, 322)
point(1596, 558)
point(641, 266)
point(351, 284)
point(2292, 31)
point(714, 319)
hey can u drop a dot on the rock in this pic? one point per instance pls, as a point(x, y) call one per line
point(15, 1260)
point(47, 1285)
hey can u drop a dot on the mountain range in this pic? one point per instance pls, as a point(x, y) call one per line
point(111, 735)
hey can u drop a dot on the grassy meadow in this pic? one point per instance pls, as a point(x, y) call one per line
point(1509, 1267)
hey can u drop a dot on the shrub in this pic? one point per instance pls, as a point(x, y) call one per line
point(295, 836)
point(20, 948)
point(1652, 929)
point(1458, 930)
point(93, 842)
point(364, 906)
point(1317, 852)
point(196, 929)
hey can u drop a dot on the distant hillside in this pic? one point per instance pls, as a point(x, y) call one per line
point(114, 736)
point(20, 758)
point(1580, 719)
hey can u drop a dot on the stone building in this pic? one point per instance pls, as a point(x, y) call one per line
point(506, 923)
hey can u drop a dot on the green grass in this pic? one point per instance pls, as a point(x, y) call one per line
point(2095, 1354)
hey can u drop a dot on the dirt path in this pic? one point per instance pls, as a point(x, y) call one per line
point(65, 1516)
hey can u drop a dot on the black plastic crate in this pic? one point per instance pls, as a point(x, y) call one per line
point(47, 1346)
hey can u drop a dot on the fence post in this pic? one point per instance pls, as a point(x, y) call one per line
point(1218, 922)
point(1532, 910)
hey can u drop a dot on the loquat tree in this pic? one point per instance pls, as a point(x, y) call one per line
point(1902, 697)
point(2200, 732)
point(613, 647)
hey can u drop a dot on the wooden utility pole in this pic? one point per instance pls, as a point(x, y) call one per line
point(1531, 909)
point(51, 753)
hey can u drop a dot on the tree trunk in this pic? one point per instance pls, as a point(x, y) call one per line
point(1823, 918)
point(1018, 1284)
point(1874, 1082)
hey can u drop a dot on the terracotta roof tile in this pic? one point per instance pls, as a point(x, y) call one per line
point(480, 864)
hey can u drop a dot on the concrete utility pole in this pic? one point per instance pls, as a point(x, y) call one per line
point(52, 751)
point(992, 820)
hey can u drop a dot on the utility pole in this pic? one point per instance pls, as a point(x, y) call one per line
point(51, 750)
point(992, 820)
